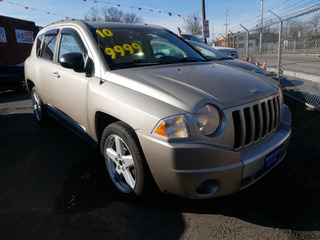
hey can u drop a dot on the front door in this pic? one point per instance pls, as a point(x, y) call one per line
point(68, 86)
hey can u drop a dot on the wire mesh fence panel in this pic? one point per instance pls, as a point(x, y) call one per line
point(265, 53)
point(241, 45)
point(299, 59)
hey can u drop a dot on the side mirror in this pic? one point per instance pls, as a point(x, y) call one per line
point(73, 60)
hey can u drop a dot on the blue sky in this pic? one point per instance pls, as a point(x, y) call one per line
point(245, 12)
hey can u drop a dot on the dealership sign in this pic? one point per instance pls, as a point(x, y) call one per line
point(206, 29)
point(24, 36)
point(3, 35)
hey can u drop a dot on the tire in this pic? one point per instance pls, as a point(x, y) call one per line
point(38, 107)
point(124, 160)
point(24, 87)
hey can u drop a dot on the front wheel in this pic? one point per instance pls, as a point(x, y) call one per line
point(124, 160)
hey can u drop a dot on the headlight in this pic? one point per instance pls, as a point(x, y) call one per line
point(208, 119)
point(173, 127)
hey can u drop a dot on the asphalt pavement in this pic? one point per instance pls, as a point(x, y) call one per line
point(52, 186)
point(302, 63)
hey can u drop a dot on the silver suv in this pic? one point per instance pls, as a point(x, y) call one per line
point(157, 109)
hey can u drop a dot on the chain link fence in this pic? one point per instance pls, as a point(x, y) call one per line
point(296, 62)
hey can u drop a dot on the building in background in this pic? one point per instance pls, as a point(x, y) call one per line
point(16, 39)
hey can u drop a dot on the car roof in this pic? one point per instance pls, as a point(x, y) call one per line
point(98, 24)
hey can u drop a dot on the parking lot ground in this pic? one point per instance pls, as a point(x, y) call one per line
point(52, 186)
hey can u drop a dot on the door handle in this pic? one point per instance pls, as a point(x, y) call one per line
point(56, 74)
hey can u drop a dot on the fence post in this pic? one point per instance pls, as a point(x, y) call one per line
point(279, 44)
point(232, 38)
point(247, 42)
point(225, 40)
point(279, 49)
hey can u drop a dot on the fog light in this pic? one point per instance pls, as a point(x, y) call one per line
point(208, 188)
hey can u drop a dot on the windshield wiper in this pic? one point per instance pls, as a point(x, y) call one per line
point(152, 61)
point(225, 58)
point(191, 59)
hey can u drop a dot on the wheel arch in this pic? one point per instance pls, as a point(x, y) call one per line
point(29, 84)
point(102, 120)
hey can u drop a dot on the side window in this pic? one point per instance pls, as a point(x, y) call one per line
point(70, 43)
point(48, 47)
point(38, 45)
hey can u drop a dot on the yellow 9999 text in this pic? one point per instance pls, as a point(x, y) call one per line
point(122, 50)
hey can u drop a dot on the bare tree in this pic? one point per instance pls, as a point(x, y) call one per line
point(92, 15)
point(296, 28)
point(314, 23)
point(132, 18)
point(192, 24)
point(112, 15)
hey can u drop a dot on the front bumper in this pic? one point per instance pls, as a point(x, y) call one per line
point(201, 170)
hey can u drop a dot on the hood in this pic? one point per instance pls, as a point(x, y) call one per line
point(243, 65)
point(188, 86)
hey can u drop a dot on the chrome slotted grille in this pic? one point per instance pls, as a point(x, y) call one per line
point(255, 122)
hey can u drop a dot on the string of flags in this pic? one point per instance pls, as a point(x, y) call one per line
point(96, 1)
point(34, 9)
point(139, 8)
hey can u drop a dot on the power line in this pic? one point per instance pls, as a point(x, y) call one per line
point(285, 12)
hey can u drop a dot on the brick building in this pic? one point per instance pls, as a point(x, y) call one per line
point(16, 38)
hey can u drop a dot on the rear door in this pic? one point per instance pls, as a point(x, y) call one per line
point(46, 47)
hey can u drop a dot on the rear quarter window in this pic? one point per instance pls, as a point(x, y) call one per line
point(38, 44)
point(49, 46)
point(46, 44)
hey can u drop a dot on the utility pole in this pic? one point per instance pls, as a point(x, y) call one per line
point(204, 15)
point(97, 14)
point(225, 39)
point(212, 32)
point(261, 25)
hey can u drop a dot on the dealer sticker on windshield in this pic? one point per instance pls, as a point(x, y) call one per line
point(272, 158)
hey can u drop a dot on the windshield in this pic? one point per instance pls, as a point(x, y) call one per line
point(192, 38)
point(127, 46)
point(208, 52)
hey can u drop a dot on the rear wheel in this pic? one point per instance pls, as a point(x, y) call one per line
point(124, 160)
point(38, 107)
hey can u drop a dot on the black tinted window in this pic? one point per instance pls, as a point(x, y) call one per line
point(127, 46)
point(48, 46)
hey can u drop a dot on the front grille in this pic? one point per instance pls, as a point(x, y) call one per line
point(255, 122)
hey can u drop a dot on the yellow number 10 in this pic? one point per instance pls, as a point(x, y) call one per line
point(105, 33)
